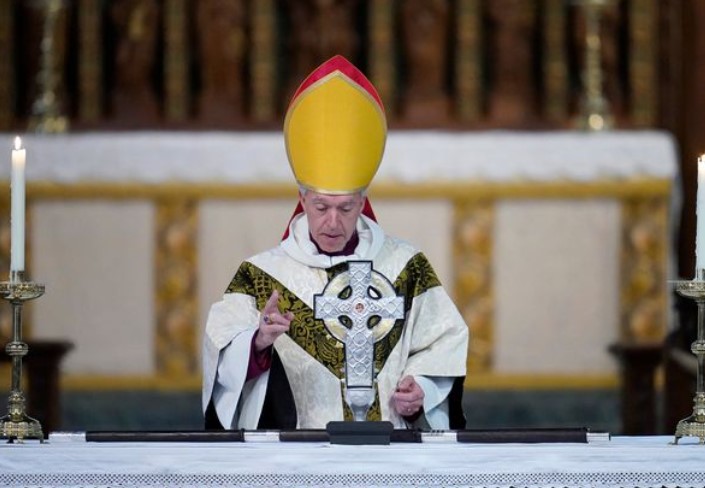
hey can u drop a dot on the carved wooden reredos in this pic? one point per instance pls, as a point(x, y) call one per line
point(203, 64)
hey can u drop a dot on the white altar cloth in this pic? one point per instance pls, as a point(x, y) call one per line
point(621, 462)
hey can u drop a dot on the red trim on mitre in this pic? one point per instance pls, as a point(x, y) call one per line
point(366, 211)
point(339, 63)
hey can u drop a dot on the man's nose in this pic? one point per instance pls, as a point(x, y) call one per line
point(333, 218)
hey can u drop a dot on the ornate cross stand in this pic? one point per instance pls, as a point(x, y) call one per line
point(694, 426)
point(17, 425)
point(371, 295)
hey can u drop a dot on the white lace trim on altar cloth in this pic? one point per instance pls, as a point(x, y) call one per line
point(410, 157)
point(490, 480)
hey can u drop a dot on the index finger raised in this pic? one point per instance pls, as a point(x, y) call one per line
point(271, 305)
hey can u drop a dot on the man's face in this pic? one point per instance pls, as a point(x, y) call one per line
point(332, 218)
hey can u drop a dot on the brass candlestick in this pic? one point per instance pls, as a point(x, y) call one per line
point(694, 425)
point(17, 425)
point(595, 112)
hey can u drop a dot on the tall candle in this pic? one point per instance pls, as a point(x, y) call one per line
point(700, 221)
point(17, 204)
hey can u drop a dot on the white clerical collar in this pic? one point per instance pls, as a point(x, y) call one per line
point(299, 246)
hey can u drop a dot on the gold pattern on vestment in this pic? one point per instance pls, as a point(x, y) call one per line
point(311, 335)
point(308, 333)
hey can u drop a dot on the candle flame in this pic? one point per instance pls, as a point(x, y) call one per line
point(18, 143)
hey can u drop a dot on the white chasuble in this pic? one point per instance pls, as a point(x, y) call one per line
point(430, 343)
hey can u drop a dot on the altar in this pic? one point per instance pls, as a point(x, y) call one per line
point(560, 240)
point(625, 462)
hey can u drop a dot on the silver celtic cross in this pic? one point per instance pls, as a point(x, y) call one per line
point(371, 295)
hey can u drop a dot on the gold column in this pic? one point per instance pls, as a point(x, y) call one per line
point(262, 61)
point(381, 50)
point(7, 88)
point(176, 60)
point(555, 62)
point(644, 257)
point(643, 61)
point(472, 262)
point(176, 287)
point(90, 61)
point(468, 61)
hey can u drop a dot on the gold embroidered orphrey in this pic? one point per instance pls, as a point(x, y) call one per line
point(359, 307)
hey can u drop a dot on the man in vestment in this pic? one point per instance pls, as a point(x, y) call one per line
point(268, 363)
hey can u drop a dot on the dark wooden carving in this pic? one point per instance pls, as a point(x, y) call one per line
point(425, 26)
point(612, 58)
point(638, 363)
point(320, 29)
point(136, 25)
point(223, 42)
point(511, 58)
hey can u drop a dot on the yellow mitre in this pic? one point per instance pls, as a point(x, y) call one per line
point(335, 129)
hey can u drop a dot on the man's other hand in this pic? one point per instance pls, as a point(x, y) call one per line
point(408, 397)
